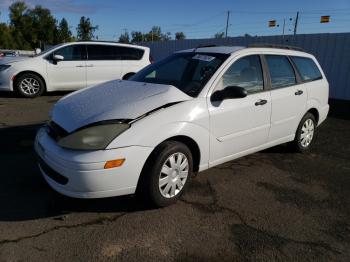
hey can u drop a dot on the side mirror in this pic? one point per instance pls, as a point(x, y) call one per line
point(229, 92)
point(58, 58)
point(37, 51)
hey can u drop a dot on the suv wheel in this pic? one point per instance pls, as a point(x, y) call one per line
point(29, 85)
point(168, 173)
point(305, 133)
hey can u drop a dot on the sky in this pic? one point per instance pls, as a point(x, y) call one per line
point(197, 19)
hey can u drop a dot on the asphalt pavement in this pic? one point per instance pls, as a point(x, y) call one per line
point(274, 205)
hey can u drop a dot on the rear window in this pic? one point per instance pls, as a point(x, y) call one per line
point(307, 68)
point(281, 71)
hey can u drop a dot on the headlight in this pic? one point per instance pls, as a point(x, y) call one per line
point(94, 137)
point(4, 67)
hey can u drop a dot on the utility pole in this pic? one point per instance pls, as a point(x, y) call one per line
point(284, 24)
point(296, 23)
point(227, 21)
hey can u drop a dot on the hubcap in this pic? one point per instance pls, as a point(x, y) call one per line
point(173, 175)
point(307, 133)
point(30, 86)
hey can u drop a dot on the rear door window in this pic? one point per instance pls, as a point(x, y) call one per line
point(307, 68)
point(281, 71)
point(103, 52)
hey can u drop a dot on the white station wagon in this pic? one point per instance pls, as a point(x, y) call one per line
point(71, 66)
point(194, 110)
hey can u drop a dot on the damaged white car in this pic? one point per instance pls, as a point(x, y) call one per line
point(191, 111)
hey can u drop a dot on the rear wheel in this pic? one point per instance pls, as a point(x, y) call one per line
point(305, 133)
point(167, 174)
point(29, 85)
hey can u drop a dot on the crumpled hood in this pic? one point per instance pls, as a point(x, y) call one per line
point(9, 60)
point(116, 99)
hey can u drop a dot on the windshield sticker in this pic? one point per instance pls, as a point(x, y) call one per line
point(205, 58)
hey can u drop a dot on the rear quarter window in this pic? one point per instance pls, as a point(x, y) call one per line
point(307, 68)
point(128, 53)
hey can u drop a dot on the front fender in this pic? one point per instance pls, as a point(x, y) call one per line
point(153, 135)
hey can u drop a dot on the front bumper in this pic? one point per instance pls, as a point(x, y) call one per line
point(5, 81)
point(82, 172)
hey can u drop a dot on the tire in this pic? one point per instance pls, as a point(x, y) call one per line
point(172, 176)
point(128, 75)
point(29, 85)
point(305, 134)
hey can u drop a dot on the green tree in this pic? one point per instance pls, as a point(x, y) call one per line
point(219, 35)
point(124, 38)
point(63, 33)
point(31, 28)
point(166, 36)
point(85, 29)
point(137, 37)
point(180, 36)
point(6, 40)
point(17, 11)
point(43, 27)
point(156, 35)
point(21, 25)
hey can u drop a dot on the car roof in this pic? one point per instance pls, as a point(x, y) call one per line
point(214, 49)
point(109, 43)
point(287, 50)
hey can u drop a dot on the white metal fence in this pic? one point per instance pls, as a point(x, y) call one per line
point(20, 52)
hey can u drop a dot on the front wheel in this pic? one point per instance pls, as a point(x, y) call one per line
point(168, 173)
point(305, 133)
point(29, 85)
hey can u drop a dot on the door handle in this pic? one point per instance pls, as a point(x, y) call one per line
point(90, 65)
point(79, 66)
point(261, 102)
point(299, 92)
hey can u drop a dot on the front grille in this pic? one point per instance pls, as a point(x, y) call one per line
point(52, 173)
point(55, 131)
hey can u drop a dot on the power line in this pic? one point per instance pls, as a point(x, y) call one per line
point(202, 21)
point(310, 16)
point(289, 12)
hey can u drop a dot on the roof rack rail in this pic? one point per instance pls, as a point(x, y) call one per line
point(277, 46)
point(100, 41)
point(201, 46)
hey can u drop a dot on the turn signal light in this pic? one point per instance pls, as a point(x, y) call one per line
point(114, 163)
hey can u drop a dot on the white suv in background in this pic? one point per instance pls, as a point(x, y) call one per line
point(71, 66)
point(191, 111)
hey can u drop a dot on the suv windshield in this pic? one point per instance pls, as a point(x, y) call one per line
point(188, 71)
point(48, 50)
